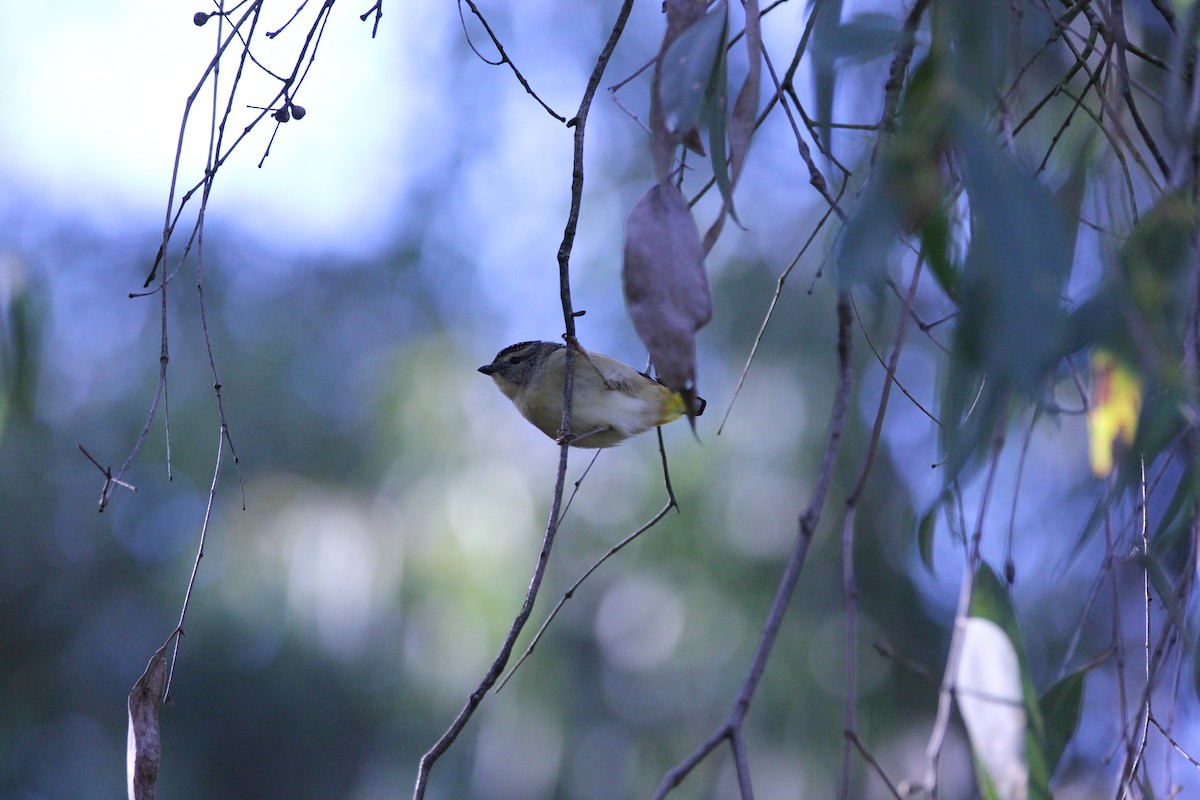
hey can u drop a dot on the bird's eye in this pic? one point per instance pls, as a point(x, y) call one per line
point(514, 359)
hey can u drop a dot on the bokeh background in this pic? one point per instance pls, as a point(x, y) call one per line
point(392, 241)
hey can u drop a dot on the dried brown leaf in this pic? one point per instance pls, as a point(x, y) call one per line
point(666, 285)
point(143, 747)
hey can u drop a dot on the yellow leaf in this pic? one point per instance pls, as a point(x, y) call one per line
point(1113, 414)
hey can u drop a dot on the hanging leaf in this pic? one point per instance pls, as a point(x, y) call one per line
point(990, 698)
point(740, 124)
point(1113, 412)
point(715, 118)
point(906, 193)
point(825, 52)
point(926, 526)
point(990, 602)
point(1012, 328)
point(666, 286)
point(1061, 706)
point(1013, 324)
point(862, 250)
point(682, 16)
point(687, 68)
point(745, 107)
point(935, 239)
point(143, 748)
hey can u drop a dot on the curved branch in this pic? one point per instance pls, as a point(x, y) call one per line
point(730, 729)
point(564, 254)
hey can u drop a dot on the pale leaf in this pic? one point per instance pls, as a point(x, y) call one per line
point(143, 748)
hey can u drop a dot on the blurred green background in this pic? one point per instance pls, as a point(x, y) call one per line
point(392, 242)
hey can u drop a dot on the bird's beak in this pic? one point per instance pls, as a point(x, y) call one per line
point(487, 369)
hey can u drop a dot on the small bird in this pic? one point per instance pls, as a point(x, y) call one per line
point(610, 401)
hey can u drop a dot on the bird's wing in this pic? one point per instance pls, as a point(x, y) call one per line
point(619, 377)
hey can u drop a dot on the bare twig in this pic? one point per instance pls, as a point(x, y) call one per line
point(762, 328)
point(937, 736)
point(564, 254)
point(187, 595)
point(567, 595)
point(504, 59)
point(905, 45)
point(671, 503)
point(849, 584)
point(377, 10)
point(730, 729)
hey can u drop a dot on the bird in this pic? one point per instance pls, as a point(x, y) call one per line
point(610, 401)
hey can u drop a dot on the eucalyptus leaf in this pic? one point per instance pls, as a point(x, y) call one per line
point(862, 250)
point(715, 118)
point(935, 238)
point(1061, 706)
point(990, 601)
point(687, 69)
point(143, 745)
point(1012, 328)
point(1013, 324)
point(988, 689)
point(825, 51)
point(745, 106)
point(926, 526)
point(665, 283)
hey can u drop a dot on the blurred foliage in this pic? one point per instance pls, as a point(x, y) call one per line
point(394, 502)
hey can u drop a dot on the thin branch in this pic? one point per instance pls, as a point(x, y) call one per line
point(807, 524)
point(504, 59)
point(569, 593)
point(377, 10)
point(762, 328)
point(1171, 741)
point(498, 663)
point(875, 765)
point(906, 43)
point(191, 584)
point(937, 736)
point(1121, 40)
point(564, 253)
point(879, 357)
point(849, 584)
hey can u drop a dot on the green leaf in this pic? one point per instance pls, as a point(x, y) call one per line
point(990, 601)
point(862, 251)
point(1069, 195)
point(1012, 329)
point(1156, 257)
point(1196, 671)
point(1013, 324)
point(935, 238)
point(973, 37)
point(987, 789)
point(714, 117)
point(989, 693)
point(688, 67)
point(1171, 540)
point(926, 525)
point(1061, 706)
point(867, 36)
point(825, 48)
